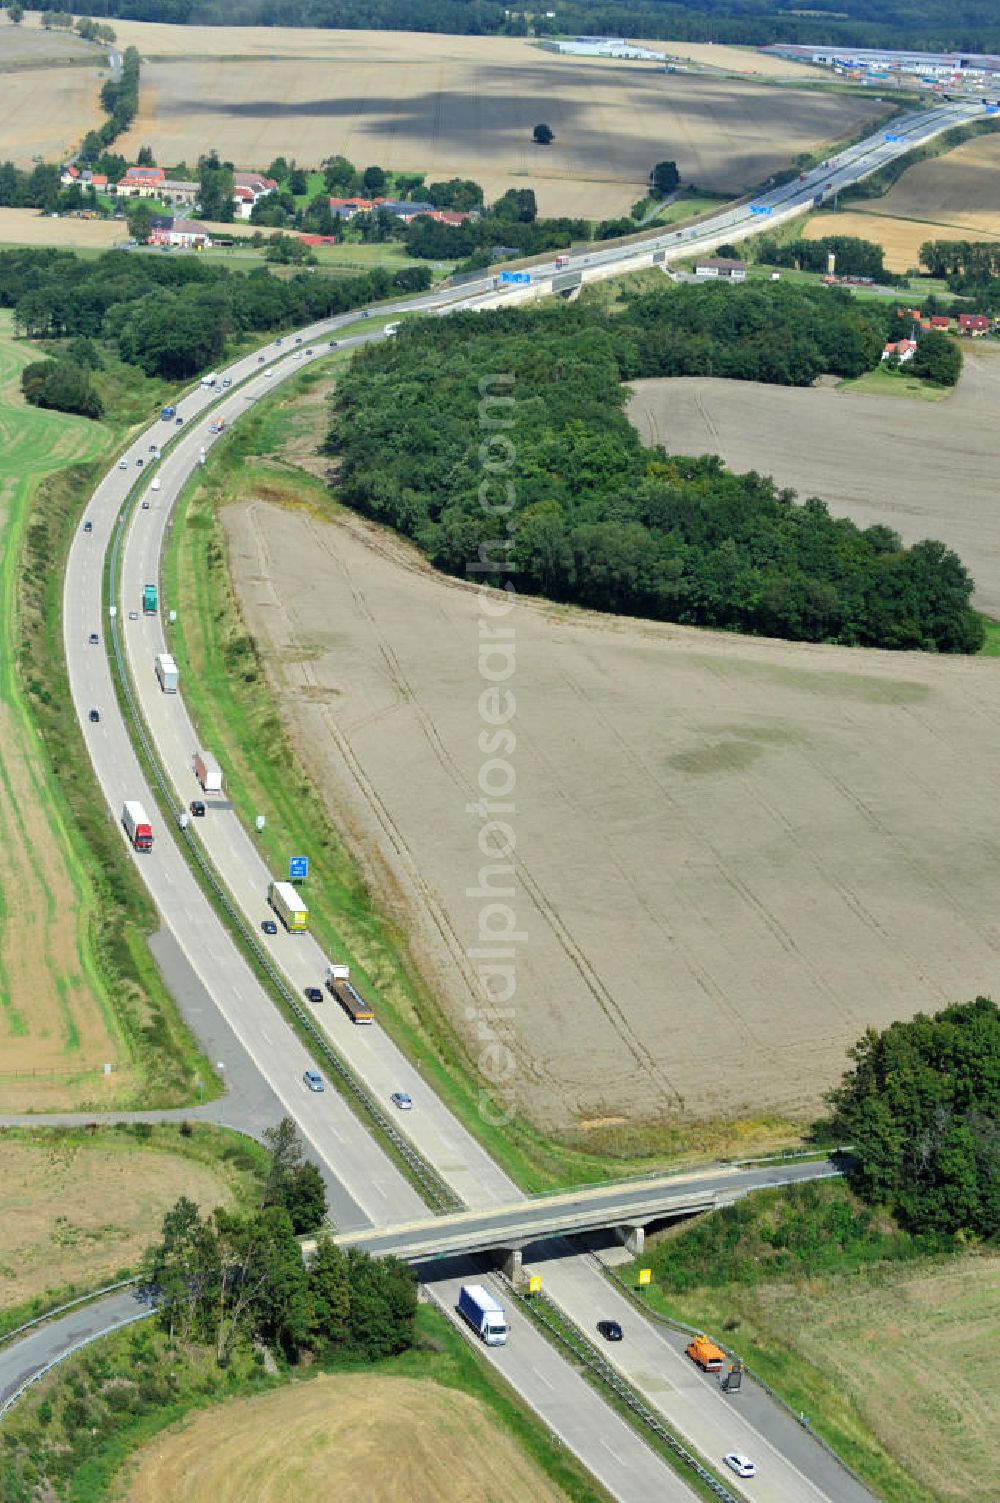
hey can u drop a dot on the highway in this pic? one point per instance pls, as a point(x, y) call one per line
point(379, 1192)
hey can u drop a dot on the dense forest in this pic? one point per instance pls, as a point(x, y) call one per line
point(173, 316)
point(967, 24)
point(576, 509)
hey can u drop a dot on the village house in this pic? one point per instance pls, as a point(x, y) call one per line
point(141, 182)
point(248, 189)
point(183, 232)
point(903, 349)
point(722, 268)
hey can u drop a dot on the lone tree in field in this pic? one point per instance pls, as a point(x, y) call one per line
point(543, 135)
point(921, 1109)
point(663, 179)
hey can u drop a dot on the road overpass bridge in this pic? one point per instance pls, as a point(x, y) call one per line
point(628, 1206)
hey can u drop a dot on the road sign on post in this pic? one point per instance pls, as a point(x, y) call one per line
point(515, 278)
point(535, 1284)
point(760, 209)
point(645, 1277)
point(298, 868)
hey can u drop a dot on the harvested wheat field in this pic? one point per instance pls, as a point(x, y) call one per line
point(354, 1437)
point(739, 60)
point(952, 197)
point(460, 106)
point(75, 1213)
point(29, 227)
point(927, 470)
point(46, 112)
point(29, 44)
point(938, 1326)
point(732, 855)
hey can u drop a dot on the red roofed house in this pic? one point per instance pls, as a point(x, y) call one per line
point(141, 182)
point(449, 216)
point(903, 349)
point(940, 321)
point(248, 188)
point(346, 208)
point(69, 176)
point(974, 324)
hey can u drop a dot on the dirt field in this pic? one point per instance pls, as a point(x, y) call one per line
point(739, 60)
point(936, 1326)
point(753, 851)
point(461, 106)
point(353, 1437)
point(871, 458)
point(46, 112)
point(73, 1214)
point(953, 197)
point(28, 227)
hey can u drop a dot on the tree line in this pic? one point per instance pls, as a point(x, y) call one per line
point(854, 257)
point(591, 517)
point(921, 1109)
point(935, 25)
point(230, 1279)
point(173, 317)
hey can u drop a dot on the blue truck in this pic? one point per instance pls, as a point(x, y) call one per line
point(483, 1313)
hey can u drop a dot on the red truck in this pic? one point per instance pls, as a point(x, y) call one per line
point(137, 825)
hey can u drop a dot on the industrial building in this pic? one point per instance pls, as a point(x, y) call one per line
point(938, 65)
point(604, 47)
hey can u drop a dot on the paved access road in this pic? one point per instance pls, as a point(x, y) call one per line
point(25, 1357)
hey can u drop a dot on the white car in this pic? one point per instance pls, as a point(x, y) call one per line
point(269, 372)
point(402, 1100)
point(123, 464)
point(741, 1465)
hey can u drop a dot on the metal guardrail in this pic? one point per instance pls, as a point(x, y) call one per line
point(71, 1351)
point(565, 1334)
point(438, 1195)
point(70, 1304)
point(685, 1330)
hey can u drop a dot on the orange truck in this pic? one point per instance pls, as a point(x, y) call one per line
point(709, 1357)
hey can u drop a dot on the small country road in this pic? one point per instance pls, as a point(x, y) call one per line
point(25, 1358)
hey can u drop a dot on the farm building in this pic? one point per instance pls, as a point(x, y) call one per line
point(179, 192)
point(184, 232)
point(722, 268)
point(248, 189)
point(141, 182)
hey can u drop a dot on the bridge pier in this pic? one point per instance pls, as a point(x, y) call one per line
point(511, 1259)
point(634, 1238)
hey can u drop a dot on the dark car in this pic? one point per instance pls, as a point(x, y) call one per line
point(610, 1330)
point(88, 526)
point(313, 994)
point(197, 808)
point(95, 716)
point(94, 639)
point(298, 339)
point(269, 926)
point(333, 344)
point(179, 420)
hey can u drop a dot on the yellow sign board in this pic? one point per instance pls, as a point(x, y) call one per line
point(645, 1276)
point(535, 1284)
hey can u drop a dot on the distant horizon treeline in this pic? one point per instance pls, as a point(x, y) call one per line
point(585, 514)
point(934, 25)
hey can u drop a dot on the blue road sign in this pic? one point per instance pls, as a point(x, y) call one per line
point(298, 868)
point(889, 136)
point(516, 278)
point(760, 208)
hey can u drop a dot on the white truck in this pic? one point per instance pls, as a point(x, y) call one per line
point(208, 772)
point(137, 825)
point(210, 379)
point(166, 672)
point(289, 907)
point(483, 1313)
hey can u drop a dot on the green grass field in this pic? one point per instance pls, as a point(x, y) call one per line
point(886, 383)
point(78, 989)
